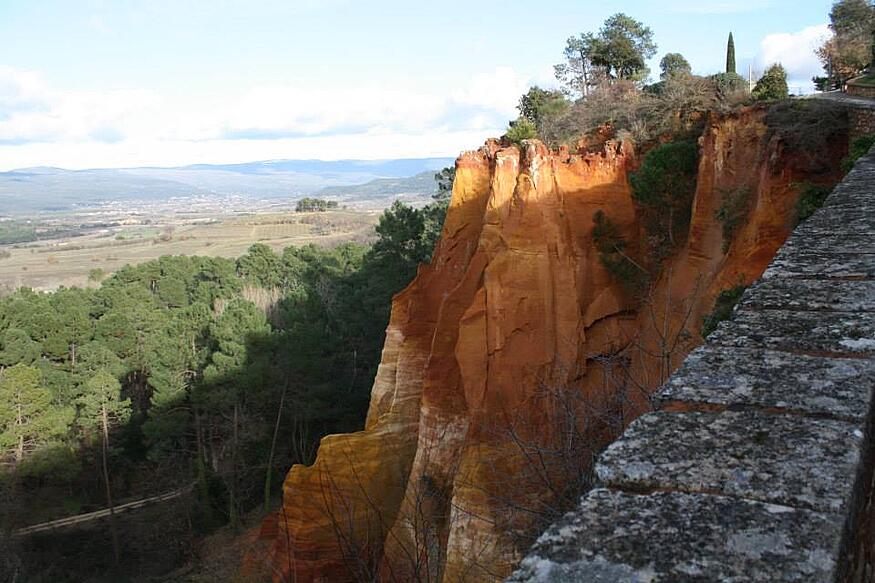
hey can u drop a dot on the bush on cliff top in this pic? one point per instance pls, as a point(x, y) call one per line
point(772, 86)
point(519, 130)
point(809, 127)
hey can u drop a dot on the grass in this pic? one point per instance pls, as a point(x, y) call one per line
point(865, 81)
point(74, 258)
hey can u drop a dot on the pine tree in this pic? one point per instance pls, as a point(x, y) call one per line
point(28, 416)
point(730, 55)
point(103, 408)
point(772, 85)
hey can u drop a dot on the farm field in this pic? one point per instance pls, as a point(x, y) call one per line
point(49, 264)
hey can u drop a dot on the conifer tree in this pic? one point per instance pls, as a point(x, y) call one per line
point(102, 409)
point(772, 85)
point(28, 417)
point(730, 55)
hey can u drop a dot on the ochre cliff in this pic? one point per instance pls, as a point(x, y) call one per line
point(514, 356)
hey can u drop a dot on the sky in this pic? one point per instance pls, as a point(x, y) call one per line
point(100, 83)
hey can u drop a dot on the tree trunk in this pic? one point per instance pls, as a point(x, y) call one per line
point(276, 428)
point(19, 451)
point(232, 499)
point(584, 68)
point(115, 547)
point(201, 468)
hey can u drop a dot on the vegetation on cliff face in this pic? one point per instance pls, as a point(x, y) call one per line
point(859, 148)
point(613, 254)
point(732, 213)
point(811, 198)
point(664, 188)
point(723, 306)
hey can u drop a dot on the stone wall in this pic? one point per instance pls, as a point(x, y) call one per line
point(757, 465)
point(861, 90)
point(862, 122)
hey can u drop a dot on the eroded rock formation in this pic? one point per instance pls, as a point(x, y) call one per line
point(514, 355)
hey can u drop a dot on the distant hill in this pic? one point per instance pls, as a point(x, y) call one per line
point(418, 188)
point(42, 189)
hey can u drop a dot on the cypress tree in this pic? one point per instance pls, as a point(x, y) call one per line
point(730, 55)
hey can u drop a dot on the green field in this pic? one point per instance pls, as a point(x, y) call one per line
point(66, 262)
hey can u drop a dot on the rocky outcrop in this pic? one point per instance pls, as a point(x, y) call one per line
point(759, 465)
point(515, 356)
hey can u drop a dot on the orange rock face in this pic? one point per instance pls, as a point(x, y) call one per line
point(514, 356)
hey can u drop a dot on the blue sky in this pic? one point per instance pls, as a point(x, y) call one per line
point(102, 83)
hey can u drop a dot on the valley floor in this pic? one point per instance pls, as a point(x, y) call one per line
point(108, 245)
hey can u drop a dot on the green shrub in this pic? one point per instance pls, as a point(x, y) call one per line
point(723, 306)
point(772, 86)
point(729, 83)
point(810, 199)
point(859, 148)
point(732, 212)
point(663, 187)
point(611, 246)
point(519, 130)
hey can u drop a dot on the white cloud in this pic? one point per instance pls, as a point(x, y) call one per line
point(795, 51)
point(41, 125)
point(498, 91)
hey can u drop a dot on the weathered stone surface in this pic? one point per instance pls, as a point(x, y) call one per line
point(840, 388)
point(616, 537)
point(780, 459)
point(803, 264)
point(857, 217)
point(811, 295)
point(829, 244)
point(796, 331)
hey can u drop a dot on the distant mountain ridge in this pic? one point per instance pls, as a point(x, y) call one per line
point(46, 188)
point(417, 188)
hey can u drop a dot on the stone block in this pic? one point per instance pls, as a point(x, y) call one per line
point(778, 459)
point(838, 388)
point(818, 333)
point(810, 294)
point(616, 537)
